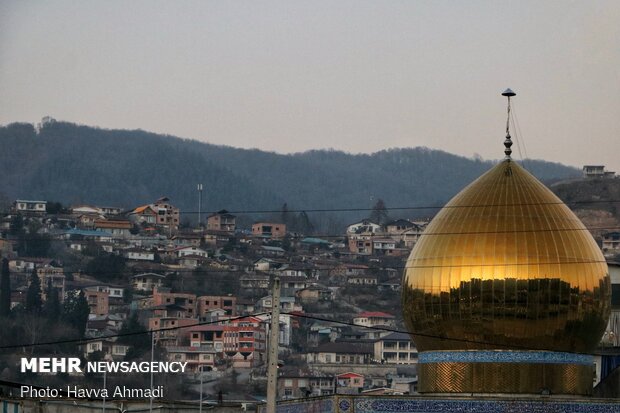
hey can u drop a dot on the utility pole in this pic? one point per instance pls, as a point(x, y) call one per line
point(199, 201)
point(200, 370)
point(274, 336)
point(105, 387)
point(152, 359)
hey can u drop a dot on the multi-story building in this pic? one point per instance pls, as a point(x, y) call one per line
point(98, 302)
point(243, 341)
point(269, 230)
point(30, 207)
point(197, 358)
point(374, 319)
point(222, 221)
point(296, 385)
point(206, 303)
point(183, 300)
point(147, 281)
point(396, 348)
point(611, 242)
point(160, 213)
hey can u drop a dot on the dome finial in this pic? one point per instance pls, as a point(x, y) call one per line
point(508, 142)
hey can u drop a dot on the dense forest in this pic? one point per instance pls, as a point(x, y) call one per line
point(76, 164)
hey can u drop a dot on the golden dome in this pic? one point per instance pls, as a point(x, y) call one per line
point(506, 265)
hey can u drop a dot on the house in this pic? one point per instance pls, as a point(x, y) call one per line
point(398, 226)
point(611, 242)
point(267, 264)
point(195, 251)
point(290, 285)
point(361, 235)
point(389, 286)
point(396, 348)
point(98, 302)
point(340, 353)
point(139, 254)
point(350, 383)
point(374, 319)
point(162, 296)
point(216, 239)
point(294, 383)
point(147, 281)
point(346, 270)
point(227, 303)
point(221, 221)
point(269, 230)
point(269, 251)
point(160, 213)
point(56, 276)
point(172, 331)
point(30, 207)
point(385, 246)
point(254, 281)
point(410, 236)
point(365, 279)
point(315, 293)
point(111, 349)
point(118, 228)
point(187, 239)
point(210, 316)
point(197, 358)
point(240, 340)
point(287, 304)
point(596, 171)
point(83, 234)
point(192, 261)
point(95, 210)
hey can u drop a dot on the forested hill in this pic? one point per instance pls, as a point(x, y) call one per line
point(79, 164)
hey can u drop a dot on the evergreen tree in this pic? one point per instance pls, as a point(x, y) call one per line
point(139, 343)
point(305, 226)
point(52, 303)
point(76, 310)
point(5, 289)
point(379, 213)
point(33, 295)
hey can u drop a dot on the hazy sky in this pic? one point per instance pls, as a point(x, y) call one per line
point(288, 76)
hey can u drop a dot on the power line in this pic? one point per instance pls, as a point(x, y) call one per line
point(417, 207)
point(87, 340)
point(297, 315)
point(345, 234)
point(279, 211)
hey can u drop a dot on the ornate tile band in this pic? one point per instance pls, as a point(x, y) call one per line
point(504, 356)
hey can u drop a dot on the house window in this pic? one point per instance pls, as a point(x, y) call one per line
point(328, 358)
point(288, 392)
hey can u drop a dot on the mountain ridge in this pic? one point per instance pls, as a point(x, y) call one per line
point(81, 164)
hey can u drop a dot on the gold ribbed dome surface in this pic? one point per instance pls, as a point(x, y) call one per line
point(506, 265)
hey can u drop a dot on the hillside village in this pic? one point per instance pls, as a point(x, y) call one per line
point(208, 289)
point(205, 293)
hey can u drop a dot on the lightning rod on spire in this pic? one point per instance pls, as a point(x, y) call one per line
point(508, 142)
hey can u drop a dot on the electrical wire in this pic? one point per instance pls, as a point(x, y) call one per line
point(292, 314)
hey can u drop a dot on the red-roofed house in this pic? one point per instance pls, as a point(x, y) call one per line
point(374, 318)
point(350, 381)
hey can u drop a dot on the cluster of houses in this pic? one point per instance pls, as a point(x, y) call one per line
point(216, 331)
point(220, 331)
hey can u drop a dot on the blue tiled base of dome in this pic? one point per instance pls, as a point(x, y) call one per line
point(504, 356)
point(402, 404)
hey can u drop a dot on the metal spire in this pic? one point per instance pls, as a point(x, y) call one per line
point(508, 142)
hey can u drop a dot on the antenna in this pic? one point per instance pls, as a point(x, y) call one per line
point(508, 142)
